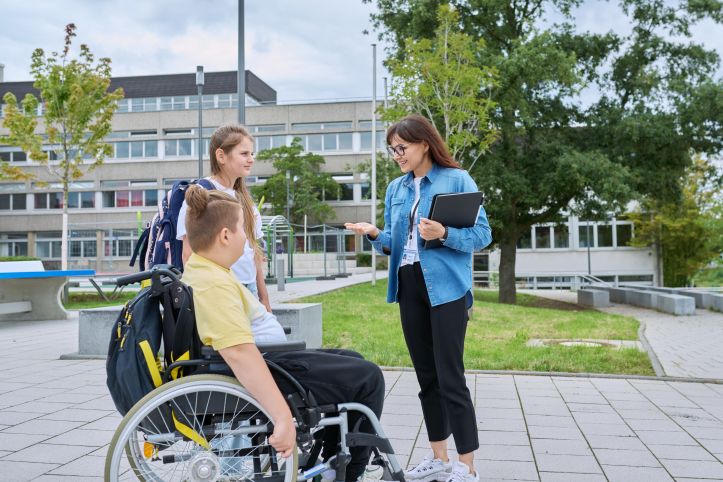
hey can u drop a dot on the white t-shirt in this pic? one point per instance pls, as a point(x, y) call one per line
point(245, 267)
point(410, 248)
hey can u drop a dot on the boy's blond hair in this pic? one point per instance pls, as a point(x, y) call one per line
point(208, 213)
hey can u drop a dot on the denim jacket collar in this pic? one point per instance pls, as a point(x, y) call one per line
point(431, 176)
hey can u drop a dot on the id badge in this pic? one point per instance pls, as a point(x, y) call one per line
point(409, 256)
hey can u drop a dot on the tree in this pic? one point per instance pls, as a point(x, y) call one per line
point(654, 102)
point(387, 171)
point(308, 186)
point(441, 79)
point(689, 232)
point(77, 113)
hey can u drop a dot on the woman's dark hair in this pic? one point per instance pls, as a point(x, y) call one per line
point(415, 128)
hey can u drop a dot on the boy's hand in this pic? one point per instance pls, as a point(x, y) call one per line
point(283, 440)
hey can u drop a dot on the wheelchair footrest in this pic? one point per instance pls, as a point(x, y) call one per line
point(358, 439)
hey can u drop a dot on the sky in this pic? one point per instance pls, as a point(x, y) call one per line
point(306, 50)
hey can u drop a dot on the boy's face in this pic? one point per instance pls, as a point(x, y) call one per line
point(237, 240)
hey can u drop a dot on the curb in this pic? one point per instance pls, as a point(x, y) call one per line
point(657, 366)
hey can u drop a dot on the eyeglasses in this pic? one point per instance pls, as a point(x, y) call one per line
point(399, 149)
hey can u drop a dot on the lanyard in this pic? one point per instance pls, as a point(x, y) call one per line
point(412, 215)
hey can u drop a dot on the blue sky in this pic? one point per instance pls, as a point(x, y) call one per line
point(311, 49)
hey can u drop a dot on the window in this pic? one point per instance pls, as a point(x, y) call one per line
point(604, 236)
point(13, 156)
point(585, 233)
point(366, 140)
point(366, 190)
point(312, 142)
point(542, 237)
point(179, 102)
point(122, 150)
point(143, 133)
point(331, 143)
point(150, 148)
point(525, 241)
point(119, 243)
point(166, 103)
point(123, 105)
point(178, 147)
point(318, 126)
point(562, 236)
point(367, 124)
point(82, 244)
point(335, 142)
point(624, 234)
point(136, 105)
point(47, 244)
point(12, 201)
point(13, 244)
point(268, 128)
point(136, 149)
point(130, 198)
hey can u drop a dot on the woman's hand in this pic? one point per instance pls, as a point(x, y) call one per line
point(429, 229)
point(364, 229)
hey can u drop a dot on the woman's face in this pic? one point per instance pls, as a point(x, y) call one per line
point(410, 156)
point(239, 160)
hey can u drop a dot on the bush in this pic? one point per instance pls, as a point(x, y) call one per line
point(18, 258)
point(363, 260)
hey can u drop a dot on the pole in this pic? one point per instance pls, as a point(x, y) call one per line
point(199, 83)
point(589, 271)
point(288, 211)
point(305, 234)
point(374, 157)
point(241, 86)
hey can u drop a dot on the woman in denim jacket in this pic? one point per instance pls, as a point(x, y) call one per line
point(433, 288)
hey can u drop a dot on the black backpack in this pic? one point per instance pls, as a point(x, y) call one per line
point(135, 366)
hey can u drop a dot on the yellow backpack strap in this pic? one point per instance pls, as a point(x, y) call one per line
point(151, 362)
point(189, 433)
point(185, 356)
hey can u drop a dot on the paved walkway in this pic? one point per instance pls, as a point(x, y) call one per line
point(56, 420)
point(686, 346)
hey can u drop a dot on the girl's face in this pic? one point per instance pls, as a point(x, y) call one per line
point(239, 160)
point(411, 156)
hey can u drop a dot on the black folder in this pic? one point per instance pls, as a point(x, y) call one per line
point(454, 210)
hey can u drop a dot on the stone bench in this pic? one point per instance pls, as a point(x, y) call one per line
point(675, 304)
point(703, 299)
point(593, 298)
point(302, 321)
point(643, 299)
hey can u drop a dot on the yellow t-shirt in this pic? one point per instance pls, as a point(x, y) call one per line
point(223, 306)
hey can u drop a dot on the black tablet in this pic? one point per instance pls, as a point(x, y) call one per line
point(455, 210)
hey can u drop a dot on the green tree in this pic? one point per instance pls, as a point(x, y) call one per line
point(441, 79)
point(77, 113)
point(689, 232)
point(654, 101)
point(308, 186)
point(387, 171)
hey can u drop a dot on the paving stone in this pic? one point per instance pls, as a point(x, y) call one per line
point(706, 433)
point(87, 465)
point(485, 413)
point(615, 429)
point(504, 452)
point(46, 453)
point(503, 425)
point(610, 442)
point(551, 421)
point(22, 471)
point(76, 415)
point(655, 425)
point(503, 438)
point(560, 477)
point(14, 418)
point(506, 470)
point(17, 441)
point(620, 473)
point(680, 452)
point(632, 458)
point(694, 468)
point(401, 432)
point(403, 420)
point(555, 433)
point(89, 438)
point(583, 464)
point(561, 447)
point(67, 478)
point(665, 438)
point(43, 427)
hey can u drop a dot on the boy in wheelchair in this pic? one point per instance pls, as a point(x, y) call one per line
point(224, 308)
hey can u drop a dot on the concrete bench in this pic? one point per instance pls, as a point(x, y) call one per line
point(675, 304)
point(95, 324)
point(619, 295)
point(703, 300)
point(643, 299)
point(593, 298)
point(28, 292)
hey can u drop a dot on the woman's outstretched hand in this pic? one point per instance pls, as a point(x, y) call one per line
point(363, 229)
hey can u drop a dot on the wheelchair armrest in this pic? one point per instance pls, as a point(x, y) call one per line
point(281, 346)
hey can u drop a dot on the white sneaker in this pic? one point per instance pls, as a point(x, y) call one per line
point(460, 473)
point(429, 469)
point(372, 473)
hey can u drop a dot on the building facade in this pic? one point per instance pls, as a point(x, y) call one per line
point(155, 143)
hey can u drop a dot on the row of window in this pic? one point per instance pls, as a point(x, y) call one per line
point(117, 243)
point(617, 234)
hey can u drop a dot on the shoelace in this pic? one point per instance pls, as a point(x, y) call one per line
point(424, 465)
point(457, 476)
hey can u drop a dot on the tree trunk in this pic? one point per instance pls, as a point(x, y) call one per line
point(508, 255)
point(64, 233)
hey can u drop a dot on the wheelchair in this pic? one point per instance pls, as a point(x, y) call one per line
point(204, 426)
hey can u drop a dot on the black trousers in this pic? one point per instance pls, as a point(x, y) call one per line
point(435, 339)
point(337, 376)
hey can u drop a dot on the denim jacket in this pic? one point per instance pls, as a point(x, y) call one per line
point(448, 269)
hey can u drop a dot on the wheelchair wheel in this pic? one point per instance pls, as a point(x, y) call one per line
point(201, 428)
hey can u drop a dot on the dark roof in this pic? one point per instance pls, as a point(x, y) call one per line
point(170, 85)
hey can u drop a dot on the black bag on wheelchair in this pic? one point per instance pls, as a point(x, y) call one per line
point(160, 316)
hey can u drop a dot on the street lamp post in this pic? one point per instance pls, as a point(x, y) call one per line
point(199, 84)
point(288, 210)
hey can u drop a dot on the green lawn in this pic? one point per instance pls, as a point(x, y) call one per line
point(81, 300)
point(359, 318)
